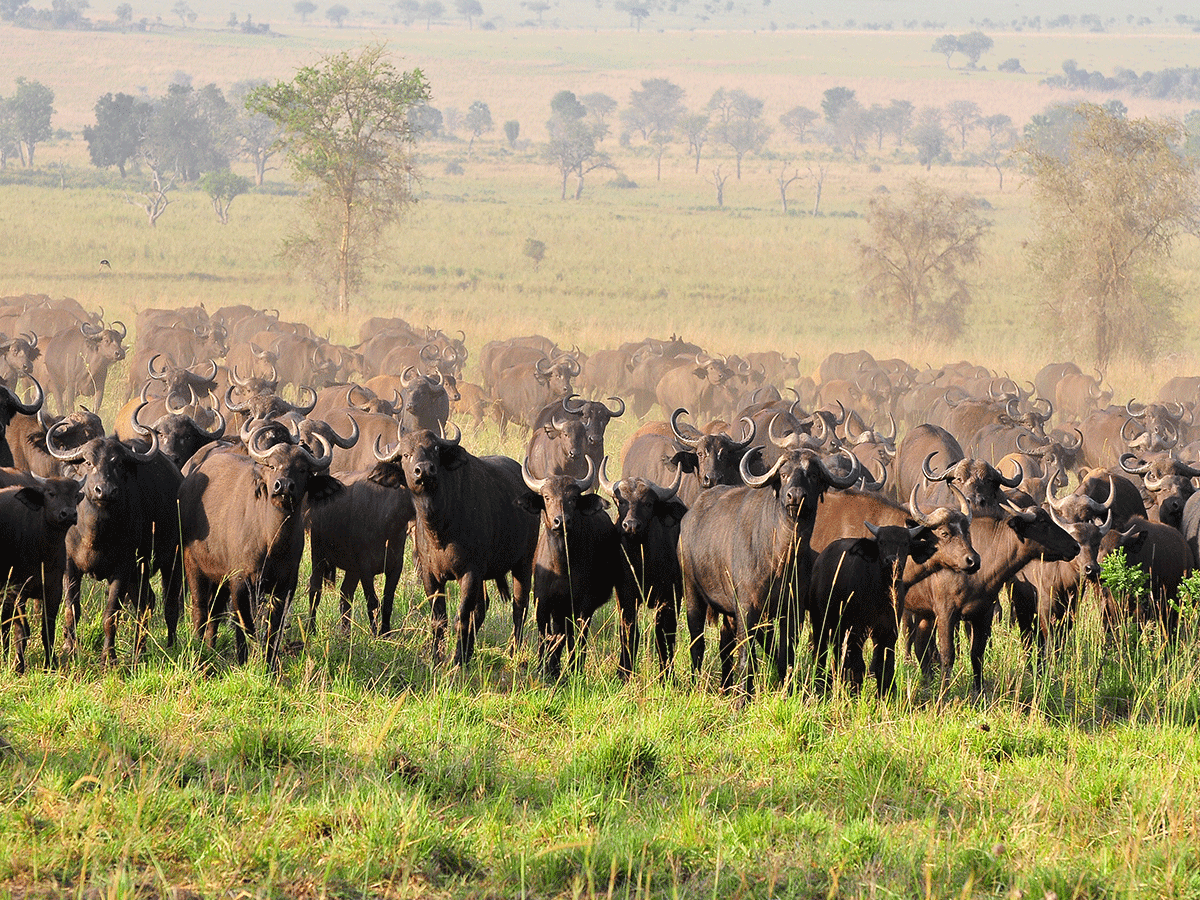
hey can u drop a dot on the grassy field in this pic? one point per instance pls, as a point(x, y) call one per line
point(362, 772)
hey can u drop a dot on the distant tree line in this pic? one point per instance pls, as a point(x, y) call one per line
point(1180, 83)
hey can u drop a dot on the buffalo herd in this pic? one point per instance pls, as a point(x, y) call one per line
point(866, 499)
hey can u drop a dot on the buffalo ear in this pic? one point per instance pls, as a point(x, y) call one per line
point(1135, 542)
point(530, 502)
point(32, 498)
point(671, 512)
point(923, 546)
point(388, 474)
point(685, 459)
point(700, 372)
point(590, 504)
point(454, 456)
point(260, 486)
point(322, 487)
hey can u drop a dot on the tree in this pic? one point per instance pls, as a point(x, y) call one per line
point(850, 128)
point(346, 128)
point(572, 145)
point(424, 121)
point(221, 188)
point(833, 100)
point(189, 132)
point(637, 12)
point(797, 121)
point(32, 107)
point(900, 116)
point(817, 172)
point(963, 115)
point(304, 9)
point(947, 45)
point(739, 123)
point(1108, 215)
point(9, 143)
point(154, 200)
point(600, 108)
point(512, 131)
point(929, 137)
point(469, 9)
point(694, 127)
point(785, 181)
point(973, 45)
point(256, 136)
point(718, 180)
point(430, 10)
point(653, 112)
point(124, 14)
point(337, 14)
point(477, 121)
point(912, 259)
point(120, 123)
point(181, 9)
point(1002, 137)
point(538, 7)
point(408, 9)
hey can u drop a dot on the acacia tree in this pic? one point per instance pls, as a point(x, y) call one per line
point(32, 106)
point(654, 112)
point(477, 121)
point(345, 125)
point(913, 257)
point(1108, 212)
point(739, 123)
point(572, 145)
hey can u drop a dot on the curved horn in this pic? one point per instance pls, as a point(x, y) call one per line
point(1153, 484)
point(1130, 438)
point(345, 442)
point(757, 481)
point(573, 367)
point(1015, 480)
point(539, 368)
point(891, 437)
point(89, 329)
point(748, 429)
point(609, 486)
point(690, 442)
point(114, 325)
point(407, 376)
point(928, 473)
point(666, 493)
point(574, 409)
point(150, 453)
point(390, 454)
point(1075, 445)
point(322, 462)
point(588, 481)
point(431, 353)
point(873, 530)
point(137, 424)
point(1124, 462)
point(236, 377)
point(452, 441)
point(28, 409)
point(842, 417)
point(1045, 417)
point(218, 430)
point(1136, 415)
point(620, 410)
point(1032, 451)
point(1013, 408)
point(876, 484)
point(30, 338)
point(915, 507)
point(230, 405)
point(301, 407)
point(964, 505)
point(70, 455)
point(160, 375)
point(845, 481)
point(350, 396)
point(783, 441)
point(534, 484)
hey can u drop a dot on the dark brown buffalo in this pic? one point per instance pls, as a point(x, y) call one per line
point(648, 517)
point(915, 449)
point(26, 436)
point(11, 406)
point(425, 400)
point(127, 531)
point(179, 347)
point(467, 528)
point(352, 396)
point(179, 437)
point(1154, 427)
point(980, 483)
point(576, 569)
point(1045, 594)
point(1005, 545)
point(242, 531)
point(1163, 553)
point(558, 445)
point(1103, 442)
point(17, 356)
point(744, 552)
point(34, 519)
point(522, 390)
point(857, 590)
point(606, 372)
point(699, 385)
point(75, 362)
point(713, 458)
point(1167, 480)
point(362, 531)
point(1112, 488)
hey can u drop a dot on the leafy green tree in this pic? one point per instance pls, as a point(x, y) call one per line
point(478, 121)
point(973, 45)
point(221, 188)
point(947, 45)
point(653, 112)
point(572, 145)
point(913, 258)
point(798, 121)
point(1108, 214)
point(337, 14)
point(9, 143)
point(469, 10)
point(739, 124)
point(120, 123)
point(694, 128)
point(347, 132)
point(430, 10)
point(304, 9)
point(833, 100)
point(32, 108)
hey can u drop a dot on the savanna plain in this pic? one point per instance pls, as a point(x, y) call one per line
point(360, 770)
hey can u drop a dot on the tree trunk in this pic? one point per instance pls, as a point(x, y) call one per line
point(344, 263)
point(565, 173)
point(661, 150)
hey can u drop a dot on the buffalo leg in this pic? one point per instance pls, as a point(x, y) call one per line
point(727, 649)
point(372, 598)
point(20, 622)
point(345, 601)
point(51, 601)
point(981, 630)
point(697, 615)
point(471, 610)
point(276, 610)
point(112, 609)
point(436, 592)
point(627, 600)
point(945, 624)
point(72, 590)
point(391, 578)
point(316, 584)
point(666, 626)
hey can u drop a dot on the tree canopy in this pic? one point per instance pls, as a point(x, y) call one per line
point(1109, 210)
point(346, 128)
